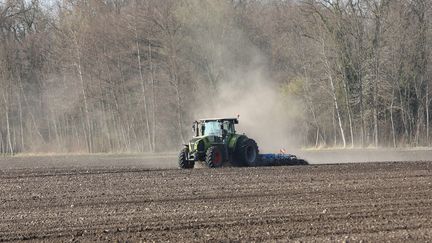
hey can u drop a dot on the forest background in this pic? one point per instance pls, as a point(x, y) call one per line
point(131, 76)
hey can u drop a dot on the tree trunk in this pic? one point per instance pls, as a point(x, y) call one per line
point(20, 120)
point(179, 115)
point(403, 114)
point(87, 127)
point(349, 113)
point(2, 150)
point(143, 90)
point(176, 84)
point(333, 93)
point(337, 112)
point(8, 130)
point(392, 120)
point(427, 114)
point(419, 124)
point(377, 78)
point(334, 127)
point(153, 97)
point(310, 104)
point(87, 132)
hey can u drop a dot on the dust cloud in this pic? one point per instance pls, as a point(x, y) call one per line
point(265, 113)
point(244, 86)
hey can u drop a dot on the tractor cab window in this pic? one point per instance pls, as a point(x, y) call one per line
point(229, 127)
point(212, 128)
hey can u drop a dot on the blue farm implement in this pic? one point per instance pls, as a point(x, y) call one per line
point(279, 160)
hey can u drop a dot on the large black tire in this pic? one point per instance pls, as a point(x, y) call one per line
point(183, 161)
point(246, 152)
point(214, 157)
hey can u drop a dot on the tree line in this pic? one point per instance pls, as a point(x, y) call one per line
point(130, 75)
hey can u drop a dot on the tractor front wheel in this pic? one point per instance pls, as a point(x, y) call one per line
point(183, 161)
point(214, 158)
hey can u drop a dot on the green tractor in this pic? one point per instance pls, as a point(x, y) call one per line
point(216, 143)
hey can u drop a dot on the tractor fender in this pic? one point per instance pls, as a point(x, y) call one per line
point(234, 139)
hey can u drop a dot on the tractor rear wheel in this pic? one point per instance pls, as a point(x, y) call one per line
point(246, 152)
point(183, 161)
point(214, 157)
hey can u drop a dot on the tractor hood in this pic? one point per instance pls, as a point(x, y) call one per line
point(197, 143)
point(202, 143)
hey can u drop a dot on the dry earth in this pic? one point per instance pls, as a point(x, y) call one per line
point(123, 200)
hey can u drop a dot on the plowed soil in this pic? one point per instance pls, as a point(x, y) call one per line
point(342, 202)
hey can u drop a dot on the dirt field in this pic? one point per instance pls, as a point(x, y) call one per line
point(94, 198)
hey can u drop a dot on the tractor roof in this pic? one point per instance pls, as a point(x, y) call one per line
point(235, 120)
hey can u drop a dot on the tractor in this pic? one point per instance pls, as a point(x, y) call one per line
point(215, 142)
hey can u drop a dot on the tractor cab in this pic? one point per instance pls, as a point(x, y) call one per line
point(220, 127)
